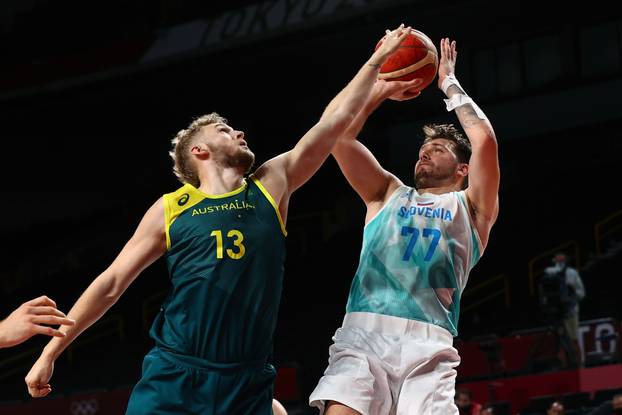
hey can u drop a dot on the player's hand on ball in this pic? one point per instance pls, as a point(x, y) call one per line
point(405, 95)
point(447, 64)
point(398, 90)
point(391, 42)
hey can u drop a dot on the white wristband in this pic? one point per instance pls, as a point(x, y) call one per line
point(449, 81)
point(457, 100)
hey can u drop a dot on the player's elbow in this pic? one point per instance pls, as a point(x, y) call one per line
point(483, 140)
point(340, 148)
point(339, 121)
point(110, 285)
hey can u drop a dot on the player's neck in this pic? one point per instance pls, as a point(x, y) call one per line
point(439, 190)
point(439, 187)
point(218, 181)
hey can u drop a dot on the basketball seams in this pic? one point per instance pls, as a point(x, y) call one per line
point(415, 57)
point(429, 59)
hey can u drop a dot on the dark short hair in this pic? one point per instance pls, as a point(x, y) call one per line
point(462, 145)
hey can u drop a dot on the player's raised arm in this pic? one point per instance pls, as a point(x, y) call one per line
point(360, 167)
point(484, 171)
point(416, 58)
point(146, 245)
point(285, 173)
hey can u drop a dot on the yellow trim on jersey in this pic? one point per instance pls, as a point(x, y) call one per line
point(231, 193)
point(272, 202)
point(177, 202)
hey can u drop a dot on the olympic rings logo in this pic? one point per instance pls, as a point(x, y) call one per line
point(85, 407)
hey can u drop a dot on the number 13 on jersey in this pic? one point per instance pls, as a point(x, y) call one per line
point(237, 236)
point(433, 233)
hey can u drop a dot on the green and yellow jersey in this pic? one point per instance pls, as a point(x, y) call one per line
point(225, 255)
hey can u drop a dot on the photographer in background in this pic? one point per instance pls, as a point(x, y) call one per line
point(561, 290)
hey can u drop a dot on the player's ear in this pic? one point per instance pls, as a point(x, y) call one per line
point(463, 169)
point(201, 151)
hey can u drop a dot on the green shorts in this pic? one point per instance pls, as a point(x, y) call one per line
point(176, 384)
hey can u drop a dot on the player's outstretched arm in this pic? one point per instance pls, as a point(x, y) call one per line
point(146, 245)
point(362, 170)
point(285, 173)
point(484, 172)
point(28, 319)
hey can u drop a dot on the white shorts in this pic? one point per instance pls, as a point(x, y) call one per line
point(384, 365)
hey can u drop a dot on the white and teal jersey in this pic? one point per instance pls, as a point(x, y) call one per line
point(416, 257)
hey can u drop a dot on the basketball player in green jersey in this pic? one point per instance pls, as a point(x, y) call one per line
point(393, 353)
point(223, 238)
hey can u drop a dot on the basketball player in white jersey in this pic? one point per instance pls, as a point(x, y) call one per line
point(393, 353)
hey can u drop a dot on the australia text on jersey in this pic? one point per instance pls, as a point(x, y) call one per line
point(236, 205)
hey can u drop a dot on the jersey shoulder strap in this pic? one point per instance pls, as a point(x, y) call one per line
point(176, 203)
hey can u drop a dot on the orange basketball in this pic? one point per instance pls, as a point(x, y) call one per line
point(415, 57)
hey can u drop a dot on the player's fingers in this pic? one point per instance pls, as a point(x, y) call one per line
point(43, 300)
point(35, 389)
point(47, 331)
point(45, 310)
point(55, 320)
point(409, 95)
point(404, 85)
point(413, 83)
point(398, 30)
point(405, 95)
point(416, 82)
point(39, 391)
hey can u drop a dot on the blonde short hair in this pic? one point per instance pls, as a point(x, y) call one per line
point(183, 167)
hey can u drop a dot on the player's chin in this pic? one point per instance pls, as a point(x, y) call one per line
point(246, 159)
point(247, 153)
point(422, 170)
point(422, 179)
